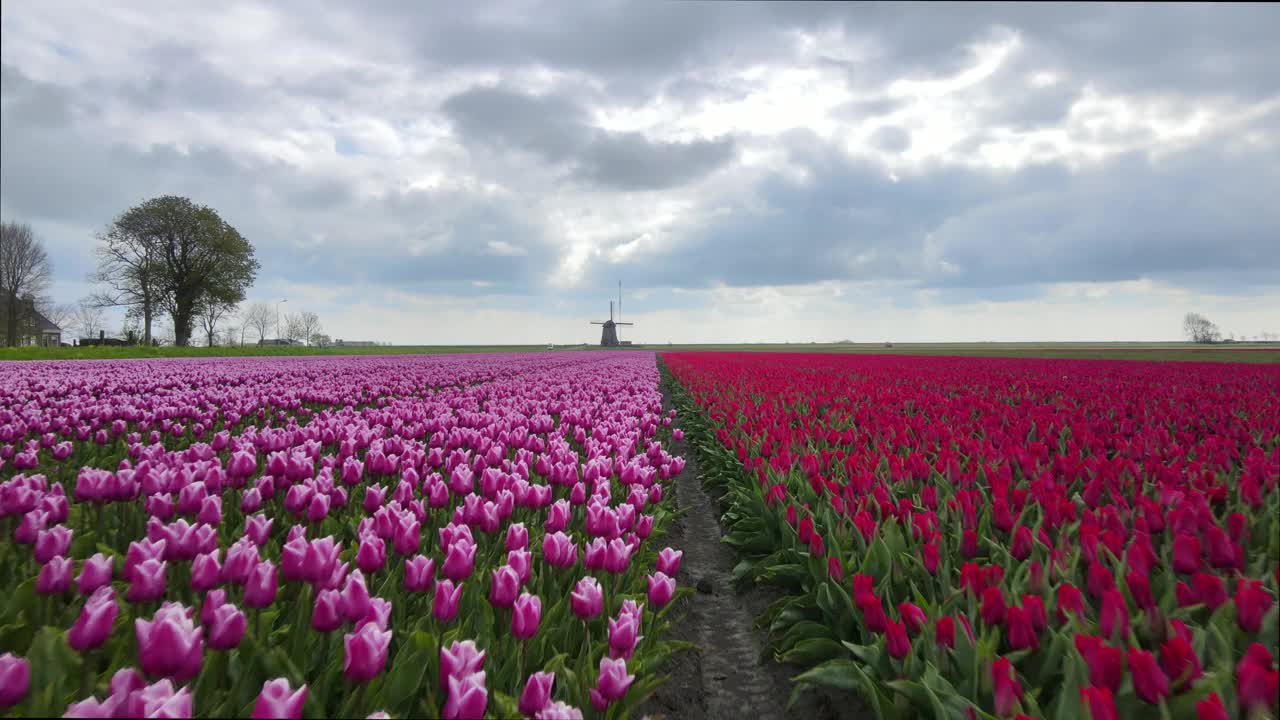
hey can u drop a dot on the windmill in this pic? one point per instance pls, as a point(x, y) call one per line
point(609, 333)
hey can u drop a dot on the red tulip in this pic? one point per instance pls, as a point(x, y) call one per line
point(1179, 662)
point(1252, 603)
point(1101, 704)
point(1007, 690)
point(945, 631)
point(1186, 553)
point(896, 641)
point(993, 607)
point(1211, 708)
point(1149, 681)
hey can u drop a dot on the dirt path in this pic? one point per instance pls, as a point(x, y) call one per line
point(725, 678)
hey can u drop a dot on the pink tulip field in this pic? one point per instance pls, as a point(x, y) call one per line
point(998, 538)
point(402, 536)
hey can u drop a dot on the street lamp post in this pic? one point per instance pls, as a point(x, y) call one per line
point(278, 318)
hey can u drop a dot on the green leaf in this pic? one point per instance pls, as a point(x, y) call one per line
point(808, 652)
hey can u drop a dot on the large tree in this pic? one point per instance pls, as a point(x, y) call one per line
point(173, 255)
point(25, 272)
point(1199, 329)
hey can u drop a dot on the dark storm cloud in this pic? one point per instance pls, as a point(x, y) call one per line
point(558, 130)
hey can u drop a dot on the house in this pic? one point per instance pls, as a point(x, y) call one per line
point(33, 328)
point(353, 343)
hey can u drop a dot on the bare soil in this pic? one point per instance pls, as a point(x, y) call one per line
point(726, 677)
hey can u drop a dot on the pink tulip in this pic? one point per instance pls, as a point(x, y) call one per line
point(587, 599)
point(617, 556)
point(557, 516)
point(624, 635)
point(210, 511)
point(205, 572)
point(372, 554)
point(537, 693)
point(374, 497)
point(258, 529)
point(92, 707)
point(15, 679)
point(93, 626)
point(55, 576)
point(170, 644)
point(148, 581)
point(326, 615)
point(250, 501)
point(213, 600)
point(661, 589)
point(468, 696)
point(228, 627)
point(279, 700)
point(459, 660)
point(522, 562)
point(505, 587)
point(260, 590)
point(593, 556)
point(445, 603)
point(559, 550)
point(158, 700)
point(379, 614)
point(318, 508)
point(321, 559)
point(556, 710)
point(242, 558)
point(612, 683)
point(52, 542)
point(419, 573)
point(355, 597)
point(526, 616)
point(669, 561)
point(459, 560)
point(366, 653)
point(517, 537)
point(96, 572)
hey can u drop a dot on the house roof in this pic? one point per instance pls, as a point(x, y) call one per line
point(45, 325)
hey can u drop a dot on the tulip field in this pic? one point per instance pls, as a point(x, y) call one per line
point(393, 536)
point(985, 537)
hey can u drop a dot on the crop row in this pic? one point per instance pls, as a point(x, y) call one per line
point(962, 537)
point(457, 536)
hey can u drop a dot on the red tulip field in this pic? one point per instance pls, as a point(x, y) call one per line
point(976, 538)
point(474, 536)
point(448, 536)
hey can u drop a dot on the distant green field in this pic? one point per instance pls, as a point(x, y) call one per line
point(118, 353)
point(1250, 353)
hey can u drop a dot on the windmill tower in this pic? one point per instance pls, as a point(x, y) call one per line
point(609, 333)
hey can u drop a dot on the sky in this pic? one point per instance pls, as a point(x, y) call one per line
point(488, 172)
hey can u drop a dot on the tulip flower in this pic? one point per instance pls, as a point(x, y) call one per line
point(1186, 553)
point(945, 631)
point(993, 607)
point(92, 707)
point(327, 615)
point(1257, 683)
point(1114, 618)
point(366, 653)
point(355, 597)
point(1069, 602)
point(587, 599)
point(419, 573)
point(896, 641)
point(260, 590)
point(279, 700)
point(913, 617)
point(1252, 603)
point(556, 710)
point(205, 572)
point(93, 626)
point(873, 615)
point(559, 550)
point(612, 683)
point(1101, 703)
point(52, 543)
point(505, 587)
point(537, 693)
point(1179, 662)
point(669, 561)
point(1149, 681)
point(1211, 708)
point(372, 554)
point(1022, 634)
point(228, 627)
point(1105, 663)
point(459, 560)
point(170, 644)
point(147, 583)
point(258, 529)
point(250, 501)
point(242, 558)
point(517, 537)
point(661, 589)
point(95, 573)
point(624, 635)
point(526, 616)
point(444, 606)
point(55, 576)
point(1007, 690)
point(459, 660)
point(468, 696)
point(158, 700)
point(15, 679)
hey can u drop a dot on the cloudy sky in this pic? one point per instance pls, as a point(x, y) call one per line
point(480, 172)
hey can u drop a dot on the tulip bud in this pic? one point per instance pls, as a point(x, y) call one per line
point(279, 700)
point(93, 626)
point(228, 627)
point(366, 653)
point(537, 693)
point(587, 599)
point(526, 616)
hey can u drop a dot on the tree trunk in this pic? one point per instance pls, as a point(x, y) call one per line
point(11, 329)
point(146, 323)
point(182, 316)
